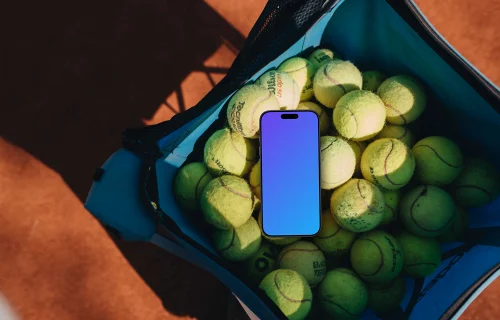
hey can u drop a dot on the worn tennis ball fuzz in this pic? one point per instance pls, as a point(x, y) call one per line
point(332, 239)
point(427, 211)
point(282, 85)
point(229, 152)
point(385, 297)
point(289, 291)
point(401, 133)
point(302, 71)
point(376, 257)
point(439, 160)
point(358, 147)
point(388, 163)
point(359, 115)
point(391, 210)
point(458, 227)
point(421, 255)
point(240, 243)
point(324, 119)
point(279, 241)
point(337, 162)
point(321, 56)
point(227, 202)
point(245, 108)
point(261, 263)
point(404, 99)
point(342, 294)
point(358, 205)
point(478, 184)
point(305, 258)
point(335, 79)
point(372, 80)
point(189, 183)
point(254, 180)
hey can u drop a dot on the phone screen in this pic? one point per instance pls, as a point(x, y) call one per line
point(289, 147)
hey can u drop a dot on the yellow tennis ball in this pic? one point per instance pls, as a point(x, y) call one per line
point(385, 297)
point(289, 291)
point(282, 85)
point(227, 202)
point(337, 162)
point(439, 160)
point(402, 133)
point(332, 239)
point(324, 119)
point(458, 227)
point(421, 255)
point(478, 184)
point(427, 211)
point(376, 257)
point(279, 241)
point(321, 56)
point(342, 294)
point(302, 71)
point(358, 147)
point(254, 179)
point(245, 108)
point(359, 115)
point(391, 210)
point(189, 183)
point(240, 243)
point(335, 79)
point(372, 80)
point(305, 258)
point(404, 99)
point(388, 163)
point(229, 152)
point(261, 263)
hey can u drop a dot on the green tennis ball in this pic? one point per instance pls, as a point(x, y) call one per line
point(388, 163)
point(321, 56)
point(358, 205)
point(359, 115)
point(305, 258)
point(289, 291)
point(245, 108)
point(358, 147)
point(478, 184)
point(261, 263)
point(391, 210)
point(427, 211)
point(337, 162)
point(372, 80)
point(279, 241)
point(302, 71)
point(332, 239)
point(458, 227)
point(342, 294)
point(404, 99)
point(439, 160)
point(386, 297)
point(376, 257)
point(324, 119)
point(254, 180)
point(421, 255)
point(240, 243)
point(227, 202)
point(282, 85)
point(229, 152)
point(189, 183)
point(335, 79)
point(401, 133)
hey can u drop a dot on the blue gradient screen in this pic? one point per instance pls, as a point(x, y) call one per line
point(290, 173)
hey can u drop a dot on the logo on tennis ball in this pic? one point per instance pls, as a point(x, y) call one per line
point(395, 253)
point(271, 82)
point(236, 115)
point(319, 268)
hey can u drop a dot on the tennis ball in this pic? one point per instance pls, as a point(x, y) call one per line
point(386, 297)
point(254, 179)
point(401, 133)
point(358, 147)
point(289, 291)
point(359, 115)
point(421, 255)
point(337, 162)
point(342, 294)
point(427, 211)
point(391, 200)
point(227, 202)
point(439, 160)
point(282, 85)
point(245, 108)
point(321, 56)
point(261, 263)
point(335, 79)
point(458, 227)
point(279, 241)
point(388, 163)
point(240, 243)
point(404, 99)
point(324, 119)
point(229, 152)
point(478, 184)
point(332, 239)
point(376, 257)
point(302, 71)
point(372, 80)
point(358, 205)
point(305, 258)
point(189, 183)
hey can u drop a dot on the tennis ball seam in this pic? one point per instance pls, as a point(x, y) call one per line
point(439, 157)
point(196, 196)
point(364, 201)
point(340, 307)
point(254, 108)
point(386, 175)
point(404, 133)
point(230, 242)
point(423, 193)
point(331, 235)
point(335, 82)
point(223, 184)
point(353, 117)
point(328, 146)
point(395, 110)
point(381, 263)
point(237, 150)
point(300, 250)
point(283, 295)
point(489, 194)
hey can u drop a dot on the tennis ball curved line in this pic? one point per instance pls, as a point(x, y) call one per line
point(283, 295)
point(423, 193)
point(397, 111)
point(385, 167)
point(196, 195)
point(335, 82)
point(364, 201)
point(381, 263)
point(439, 157)
point(255, 106)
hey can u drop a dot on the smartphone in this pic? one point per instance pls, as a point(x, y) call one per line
point(290, 177)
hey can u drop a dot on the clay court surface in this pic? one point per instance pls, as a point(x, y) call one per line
point(77, 74)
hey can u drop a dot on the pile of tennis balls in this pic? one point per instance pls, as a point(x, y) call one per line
point(389, 200)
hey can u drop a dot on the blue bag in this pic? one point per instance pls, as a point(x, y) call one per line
point(132, 192)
